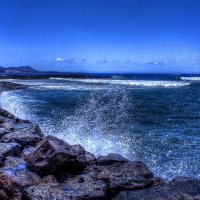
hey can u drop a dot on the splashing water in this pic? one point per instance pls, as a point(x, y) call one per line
point(101, 123)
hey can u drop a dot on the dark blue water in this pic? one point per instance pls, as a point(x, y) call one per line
point(153, 119)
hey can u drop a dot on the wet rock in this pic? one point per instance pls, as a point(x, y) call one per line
point(2, 158)
point(5, 113)
point(9, 149)
point(122, 176)
point(21, 138)
point(27, 128)
point(14, 176)
point(111, 159)
point(54, 156)
point(79, 187)
point(2, 131)
point(180, 188)
point(7, 123)
point(7, 120)
point(90, 158)
point(26, 151)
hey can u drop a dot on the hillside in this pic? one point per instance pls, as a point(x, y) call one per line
point(21, 69)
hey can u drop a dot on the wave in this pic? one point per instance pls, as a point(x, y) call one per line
point(130, 82)
point(195, 78)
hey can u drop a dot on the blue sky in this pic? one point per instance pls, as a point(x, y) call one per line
point(149, 36)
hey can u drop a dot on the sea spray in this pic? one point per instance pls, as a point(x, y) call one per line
point(101, 123)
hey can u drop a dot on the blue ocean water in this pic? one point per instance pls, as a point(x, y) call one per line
point(155, 119)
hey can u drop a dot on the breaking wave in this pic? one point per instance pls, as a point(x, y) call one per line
point(100, 123)
point(129, 82)
point(190, 78)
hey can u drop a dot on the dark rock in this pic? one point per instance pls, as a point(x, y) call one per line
point(54, 156)
point(9, 149)
point(2, 131)
point(2, 158)
point(122, 176)
point(158, 181)
point(49, 179)
point(7, 123)
point(21, 138)
point(64, 176)
point(26, 151)
point(14, 176)
point(180, 188)
point(27, 128)
point(5, 113)
point(79, 187)
point(90, 158)
point(111, 159)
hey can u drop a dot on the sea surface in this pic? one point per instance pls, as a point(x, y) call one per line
point(155, 119)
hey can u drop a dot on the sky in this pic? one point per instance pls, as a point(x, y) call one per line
point(124, 36)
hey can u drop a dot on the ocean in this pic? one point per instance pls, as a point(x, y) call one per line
point(152, 118)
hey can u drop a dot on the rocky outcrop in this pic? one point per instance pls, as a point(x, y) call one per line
point(33, 167)
point(79, 187)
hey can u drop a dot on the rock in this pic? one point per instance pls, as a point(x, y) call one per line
point(9, 149)
point(21, 138)
point(7, 123)
point(54, 156)
point(14, 176)
point(2, 158)
point(79, 187)
point(26, 151)
point(111, 159)
point(90, 158)
point(49, 179)
point(2, 131)
point(27, 128)
point(5, 113)
point(180, 188)
point(122, 176)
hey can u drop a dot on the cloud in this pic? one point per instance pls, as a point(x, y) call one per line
point(60, 59)
point(64, 59)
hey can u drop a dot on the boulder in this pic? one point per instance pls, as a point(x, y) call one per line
point(180, 188)
point(7, 123)
point(79, 187)
point(9, 149)
point(14, 176)
point(21, 138)
point(122, 176)
point(27, 128)
point(26, 151)
point(90, 158)
point(111, 159)
point(54, 156)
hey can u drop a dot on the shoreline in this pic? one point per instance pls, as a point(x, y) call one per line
point(35, 166)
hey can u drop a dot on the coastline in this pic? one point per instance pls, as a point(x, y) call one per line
point(35, 166)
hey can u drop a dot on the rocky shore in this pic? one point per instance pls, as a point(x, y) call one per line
point(38, 167)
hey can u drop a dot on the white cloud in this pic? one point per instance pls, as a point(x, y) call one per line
point(60, 59)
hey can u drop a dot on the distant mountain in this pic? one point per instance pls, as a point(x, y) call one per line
point(21, 69)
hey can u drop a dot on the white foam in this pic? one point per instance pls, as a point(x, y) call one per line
point(145, 83)
point(191, 78)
